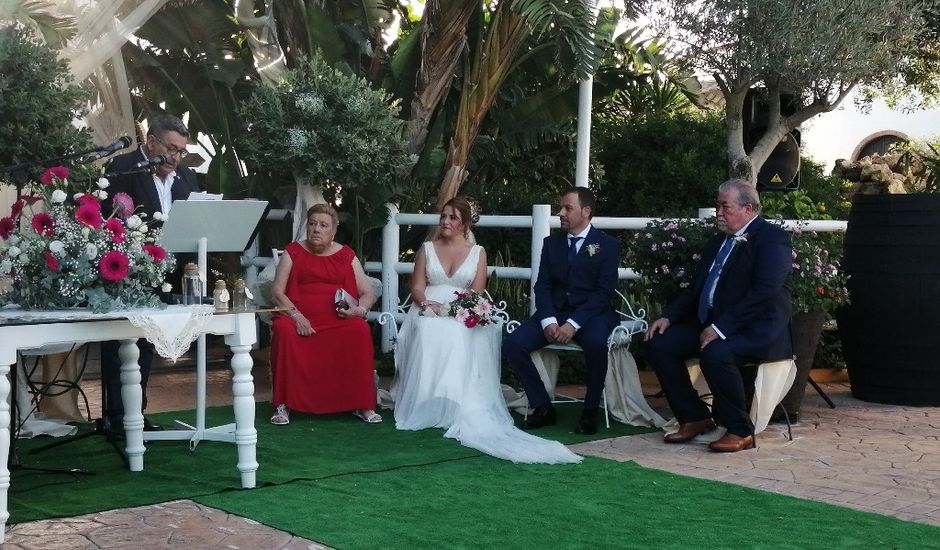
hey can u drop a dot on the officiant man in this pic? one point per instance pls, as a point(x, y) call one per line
point(576, 282)
point(153, 190)
point(736, 312)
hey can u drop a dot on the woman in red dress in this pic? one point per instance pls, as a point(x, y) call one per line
point(321, 355)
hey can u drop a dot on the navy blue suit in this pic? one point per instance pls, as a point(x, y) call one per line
point(142, 189)
point(751, 308)
point(580, 290)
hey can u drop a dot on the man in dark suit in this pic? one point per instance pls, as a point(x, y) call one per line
point(736, 312)
point(573, 292)
point(152, 191)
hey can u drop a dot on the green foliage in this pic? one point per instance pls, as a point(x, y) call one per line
point(37, 102)
point(661, 166)
point(329, 128)
point(818, 281)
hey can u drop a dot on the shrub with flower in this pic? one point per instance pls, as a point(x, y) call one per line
point(468, 307)
point(665, 254)
point(818, 279)
point(67, 254)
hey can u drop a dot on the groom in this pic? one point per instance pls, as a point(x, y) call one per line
point(576, 281)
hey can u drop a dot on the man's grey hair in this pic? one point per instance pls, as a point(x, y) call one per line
point(747, 192)
point(163, 123)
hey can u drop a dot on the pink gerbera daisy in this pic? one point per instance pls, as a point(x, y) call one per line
point(123, 205)
point(114, 266)
point(89, 215)
point(31, 199)
point(51, 262)
point(43, 224)
point(6, 227)
point(158, 253)
point(88, 199)
point(58, 172)
point(116, 228)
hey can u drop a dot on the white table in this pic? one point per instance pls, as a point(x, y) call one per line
point(45, 328)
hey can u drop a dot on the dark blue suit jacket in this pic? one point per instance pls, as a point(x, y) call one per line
point(140, 186)
point(582, 289)
point(751, 305)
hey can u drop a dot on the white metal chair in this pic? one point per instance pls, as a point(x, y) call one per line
point(632, 322)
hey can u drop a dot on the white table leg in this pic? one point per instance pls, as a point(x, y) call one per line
point(132, 398)
point(4, 446)
point(243, 402)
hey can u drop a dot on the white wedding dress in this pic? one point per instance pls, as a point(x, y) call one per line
point(447, 376)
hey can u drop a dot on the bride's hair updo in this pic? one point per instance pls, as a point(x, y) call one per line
point(468, 208)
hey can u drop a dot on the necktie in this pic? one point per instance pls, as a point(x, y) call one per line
point(573, 247)
point(704, 298)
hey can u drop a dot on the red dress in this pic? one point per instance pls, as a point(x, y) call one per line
point(332, 370)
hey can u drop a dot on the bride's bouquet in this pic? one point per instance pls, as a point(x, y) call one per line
point(467, 307)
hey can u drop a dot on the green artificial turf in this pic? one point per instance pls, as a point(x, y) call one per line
point(481, 502)
point(309, 448)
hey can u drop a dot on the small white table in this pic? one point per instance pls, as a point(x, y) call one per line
point(45, 328)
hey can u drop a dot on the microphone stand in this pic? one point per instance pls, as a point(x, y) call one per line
point(127, 172)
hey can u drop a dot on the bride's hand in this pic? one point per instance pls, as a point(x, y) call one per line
point(431, 304)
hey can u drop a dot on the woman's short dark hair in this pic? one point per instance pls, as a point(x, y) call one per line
point(323, 208)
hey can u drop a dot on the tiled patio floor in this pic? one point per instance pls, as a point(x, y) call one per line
point(879, 458)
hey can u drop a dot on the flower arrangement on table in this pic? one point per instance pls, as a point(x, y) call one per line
point(67, 254)
point(467, 307)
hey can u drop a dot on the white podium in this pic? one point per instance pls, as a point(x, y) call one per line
point(205, 226)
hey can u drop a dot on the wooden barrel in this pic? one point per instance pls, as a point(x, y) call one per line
point(891, 329)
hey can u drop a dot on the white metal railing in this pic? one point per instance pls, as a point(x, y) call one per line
point(541, 222)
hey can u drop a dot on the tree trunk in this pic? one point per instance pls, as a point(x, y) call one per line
point(308, 194)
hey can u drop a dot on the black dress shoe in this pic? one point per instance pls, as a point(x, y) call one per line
point(151, 427)
point(543, 415)
point(588, 423)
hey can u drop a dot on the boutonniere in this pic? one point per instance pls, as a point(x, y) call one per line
point(740, 239)
point(593, 249)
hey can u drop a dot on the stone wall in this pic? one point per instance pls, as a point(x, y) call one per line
point(877, 174)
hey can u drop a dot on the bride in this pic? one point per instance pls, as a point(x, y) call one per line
point(447, 375)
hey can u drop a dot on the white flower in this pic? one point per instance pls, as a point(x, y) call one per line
point(741, 239)
point(103, 183)
point(594, 248)
point(58, 196)
point(143, 228)
point(5, 267)
point(91, 251)
point(13, 251)
point(159, 216)
point(14, 239)
point(77, 196)
point(134, 222)
point(57, 247)
point(166, 287)
point(102, 195)
point(85, 232)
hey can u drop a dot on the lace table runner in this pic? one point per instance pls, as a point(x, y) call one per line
point(171, 330)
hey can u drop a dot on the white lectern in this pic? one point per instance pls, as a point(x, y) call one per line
point(204, 226)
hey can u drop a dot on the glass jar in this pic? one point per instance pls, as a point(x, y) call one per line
point(241, 298)
point(192, 285)
point(220, 296)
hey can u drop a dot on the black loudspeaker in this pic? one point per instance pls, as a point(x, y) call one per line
point(781, 171)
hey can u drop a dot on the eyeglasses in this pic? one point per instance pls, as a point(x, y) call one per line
point(171, 150)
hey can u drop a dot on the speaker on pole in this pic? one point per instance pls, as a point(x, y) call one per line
point(781, 171)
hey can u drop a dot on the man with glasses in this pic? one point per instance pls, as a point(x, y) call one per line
point(152, 190)
point(735, 313)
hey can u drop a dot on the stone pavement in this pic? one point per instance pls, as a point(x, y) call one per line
point(878, 458)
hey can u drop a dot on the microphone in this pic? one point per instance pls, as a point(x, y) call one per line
point(152, 161)
point(121, 143)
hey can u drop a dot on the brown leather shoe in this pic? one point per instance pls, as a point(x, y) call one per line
point(689, 430)
point(730, 443)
